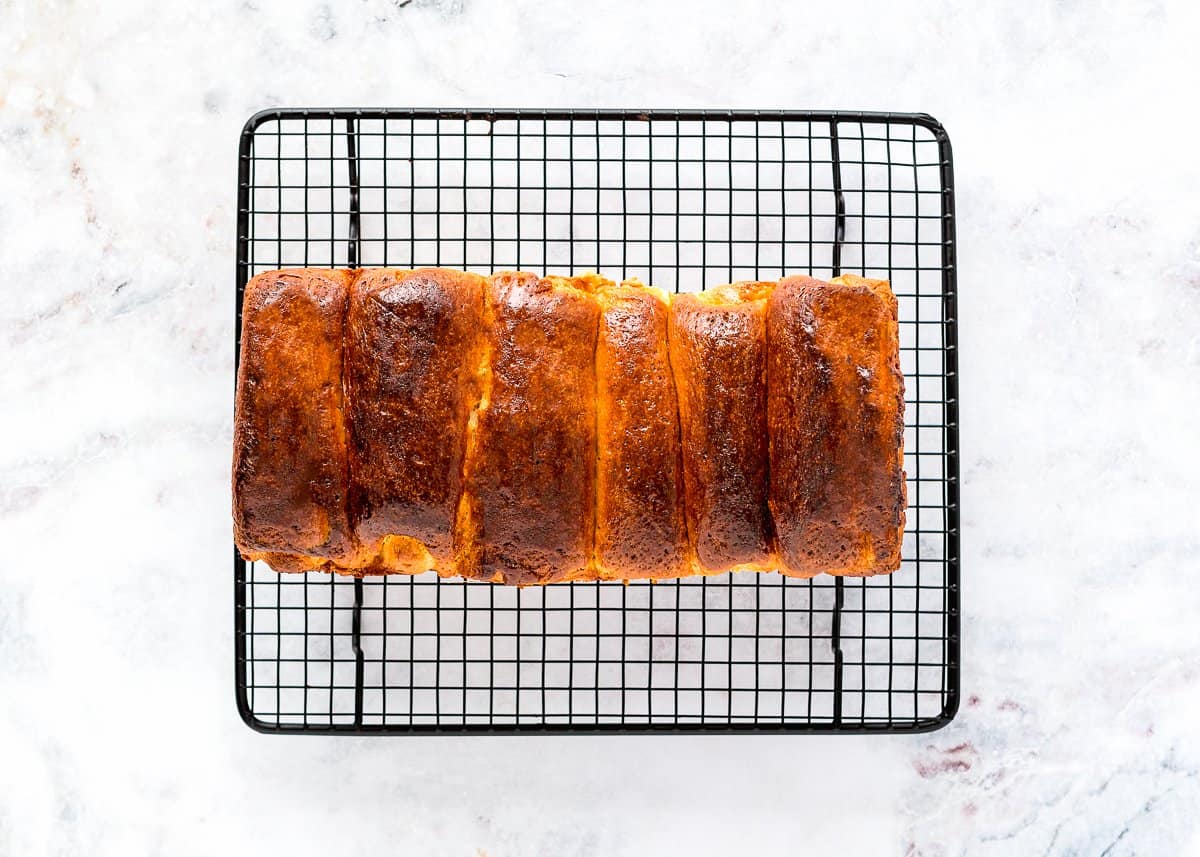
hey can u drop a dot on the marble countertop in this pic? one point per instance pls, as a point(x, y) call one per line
point(1079, 250)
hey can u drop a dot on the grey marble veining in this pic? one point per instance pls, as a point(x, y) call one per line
point(1079, 252)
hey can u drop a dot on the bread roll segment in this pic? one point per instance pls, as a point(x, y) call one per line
point(640, 529)
point(835, 413)
point(527, 511)
point(413, 341)
point(718, 354)
point(290, 468)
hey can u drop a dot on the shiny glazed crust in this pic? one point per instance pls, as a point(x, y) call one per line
point(413, 340)
point(527, 430)
point(835, 412)
point(290, 443)
point(526, 515)
point(718, 352)
point(640, 530)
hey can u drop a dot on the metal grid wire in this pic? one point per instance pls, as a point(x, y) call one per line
point(683, 201)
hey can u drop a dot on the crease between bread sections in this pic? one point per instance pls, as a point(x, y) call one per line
point(522, 429)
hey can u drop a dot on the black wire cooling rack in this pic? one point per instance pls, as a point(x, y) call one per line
point(682, 200)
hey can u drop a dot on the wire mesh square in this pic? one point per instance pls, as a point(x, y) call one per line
point(683, 201)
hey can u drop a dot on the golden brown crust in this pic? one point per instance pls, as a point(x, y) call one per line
point(528, 430)
point(640, 531)
point(835, 409)
point(288, 562)
point(413, 340)
point(290, 443)
point(718, 355)
point(526, 515)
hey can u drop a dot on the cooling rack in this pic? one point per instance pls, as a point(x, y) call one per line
point(682, 200)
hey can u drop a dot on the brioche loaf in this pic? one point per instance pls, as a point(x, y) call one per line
point(527, 430)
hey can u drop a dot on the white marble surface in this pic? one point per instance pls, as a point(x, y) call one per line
point(1079, 229)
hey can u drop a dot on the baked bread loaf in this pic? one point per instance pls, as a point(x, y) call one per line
point(640, 528)
point(527, 430)
point(719, 352)
point(290, 467)
point(835, 423)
